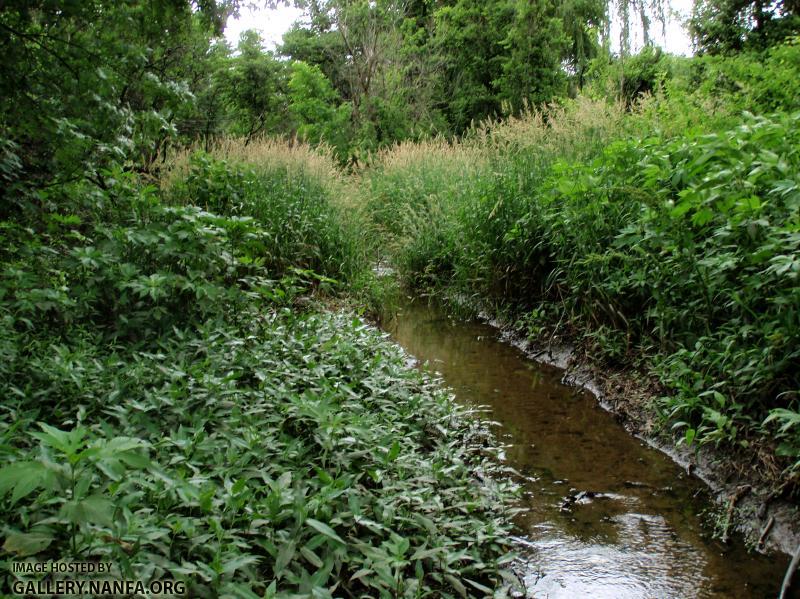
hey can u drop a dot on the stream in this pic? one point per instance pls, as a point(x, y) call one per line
point(605, 515)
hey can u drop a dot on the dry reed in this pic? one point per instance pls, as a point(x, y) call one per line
point(267, 154)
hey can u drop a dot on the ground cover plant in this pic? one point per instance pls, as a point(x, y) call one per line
point(171, 409)
point(284, 457)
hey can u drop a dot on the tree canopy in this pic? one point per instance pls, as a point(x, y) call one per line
point(725, 26)
point(91, 84)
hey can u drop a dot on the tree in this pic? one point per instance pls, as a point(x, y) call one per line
point(359, 45)
point(724, 26)
point(255, 86)
point(468, 38)
point(209, 115)
point(533, 48)
point(316, 108)
point(583, 22)
point(318, 45)
point(87, 85)
point(419, 67)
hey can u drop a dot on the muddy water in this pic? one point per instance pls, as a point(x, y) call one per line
point(606, 515)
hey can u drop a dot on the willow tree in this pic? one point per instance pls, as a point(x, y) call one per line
point(584, 22)
point(633, 14)
point(725, 26)
point(533, 48)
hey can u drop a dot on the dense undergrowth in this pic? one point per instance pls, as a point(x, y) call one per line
point(664, 237)
point(174, 399)
point(171, 405)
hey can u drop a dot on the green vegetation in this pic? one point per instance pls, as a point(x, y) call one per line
point(281, 454)
point(657, 236)
point(167, 409)
point(175, 216)
point(176, 401)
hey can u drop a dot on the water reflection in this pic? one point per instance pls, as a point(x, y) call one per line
point(607, 516)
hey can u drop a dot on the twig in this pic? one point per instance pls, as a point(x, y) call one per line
point(731, 506)
point(787, 580)
point(762, 539)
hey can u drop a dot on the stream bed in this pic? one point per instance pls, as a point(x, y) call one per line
point(606, 514)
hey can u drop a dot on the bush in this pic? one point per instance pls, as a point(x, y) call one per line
point(755, 81)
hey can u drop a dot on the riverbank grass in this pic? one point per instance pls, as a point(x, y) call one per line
point(671, 251)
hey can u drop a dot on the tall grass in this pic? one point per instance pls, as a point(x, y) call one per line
point(268, 155)
point(574, 129)
point(425, 195)
point(295, 193)
point(637, 240)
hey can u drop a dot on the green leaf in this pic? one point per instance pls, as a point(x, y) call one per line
point(456, 584)
point(689, 436)
point(312, 557)
point(361, 574)
point(240, 590)
point(67, 442)
point(24, 544)
point(238, 562)
point(94, 509)
point(479, 586)
point(425, 553)
point(324, 529)
point(391, 456)
point(702, 216)
point(285, 555)
point(682, 208)
point(23, 478)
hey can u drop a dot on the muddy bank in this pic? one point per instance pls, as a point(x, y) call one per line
point(746, 503)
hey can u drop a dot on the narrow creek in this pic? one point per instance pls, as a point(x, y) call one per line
point(606, 515)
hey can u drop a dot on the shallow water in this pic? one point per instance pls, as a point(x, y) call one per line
point(606, 515)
